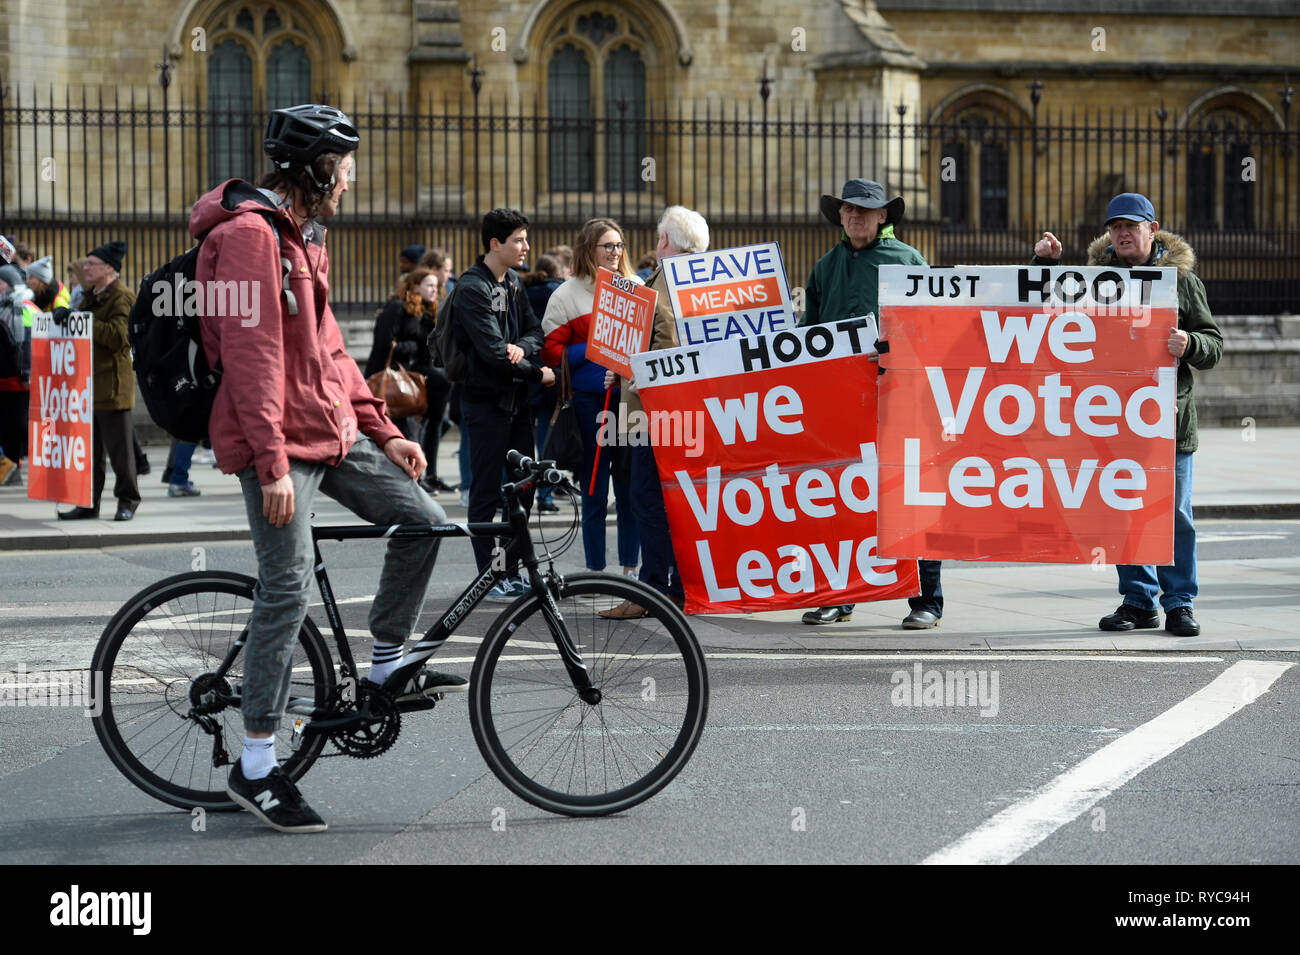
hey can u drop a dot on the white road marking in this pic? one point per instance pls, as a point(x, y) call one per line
point(1042, 656)
point(1233, 538)
point(1024, 824)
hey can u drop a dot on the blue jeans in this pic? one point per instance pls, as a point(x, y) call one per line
point(541, 426)
point(1175, 584)
point(369, 484)
point(182, 455)
point(595, 506)
point(658, 563)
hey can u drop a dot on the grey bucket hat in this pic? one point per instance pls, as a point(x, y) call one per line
point(864, 193)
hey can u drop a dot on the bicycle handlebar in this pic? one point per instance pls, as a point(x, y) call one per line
point(544, 472)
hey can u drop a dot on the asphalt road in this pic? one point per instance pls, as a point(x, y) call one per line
point(806, 758)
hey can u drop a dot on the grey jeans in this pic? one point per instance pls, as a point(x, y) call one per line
point(378, 491)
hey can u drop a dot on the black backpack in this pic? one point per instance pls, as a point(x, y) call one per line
point(443, 344)
point(178, 386)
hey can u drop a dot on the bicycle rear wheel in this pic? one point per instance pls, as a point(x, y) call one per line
point(156, 658)
point(567, 756)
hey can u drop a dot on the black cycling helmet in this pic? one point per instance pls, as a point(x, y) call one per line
point(297, 135)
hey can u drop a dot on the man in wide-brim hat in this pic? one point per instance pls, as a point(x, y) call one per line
point(845, 283)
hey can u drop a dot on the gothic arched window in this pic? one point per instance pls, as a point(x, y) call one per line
point(262, 54)
point(596, 96)
point(1220, 168)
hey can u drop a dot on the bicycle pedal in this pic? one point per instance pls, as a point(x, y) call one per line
point(416, 706)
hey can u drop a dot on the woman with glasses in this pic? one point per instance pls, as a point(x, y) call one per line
point(567, 325)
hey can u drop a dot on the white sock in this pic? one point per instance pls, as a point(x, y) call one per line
point(384, 658)
point(258, 758)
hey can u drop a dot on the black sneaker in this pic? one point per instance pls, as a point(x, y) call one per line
point(1181, 623)
point(426, 683)
point(1128, 617)
point(275, 800)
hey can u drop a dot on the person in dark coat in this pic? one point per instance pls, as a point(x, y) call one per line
point(403, 325)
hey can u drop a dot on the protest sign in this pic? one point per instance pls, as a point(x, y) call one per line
point(781, 513)
point(729, 293)
point(61, 411)
point(1027, 414)
point(620, 321)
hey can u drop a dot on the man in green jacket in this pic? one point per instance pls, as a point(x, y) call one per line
point(1133, 239)
point(110, 301)
point(845, 283)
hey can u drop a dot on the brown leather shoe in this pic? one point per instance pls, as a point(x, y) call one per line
point(627, 610)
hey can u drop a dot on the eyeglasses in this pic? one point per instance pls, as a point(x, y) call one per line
point(612, 247)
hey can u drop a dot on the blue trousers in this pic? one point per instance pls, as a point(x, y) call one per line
point(595, 506)
point(1175, 584)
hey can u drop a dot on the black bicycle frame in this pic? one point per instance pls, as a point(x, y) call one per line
point(519, 550)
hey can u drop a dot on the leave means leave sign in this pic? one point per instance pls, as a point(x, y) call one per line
point(729, 293)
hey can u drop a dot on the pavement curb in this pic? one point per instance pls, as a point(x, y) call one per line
point(1212, 512)
point(123, 538)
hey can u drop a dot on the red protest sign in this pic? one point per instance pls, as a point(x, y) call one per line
point(620, 321)
point(781, 511)
point(61, 411)
point(1027, 414)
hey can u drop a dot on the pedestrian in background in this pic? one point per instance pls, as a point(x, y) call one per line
point(540, 285)
point(500, 336)
point(680, 231)
point(567, 326)
point(110, 301)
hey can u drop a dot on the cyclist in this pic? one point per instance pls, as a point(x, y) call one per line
point(292, 417)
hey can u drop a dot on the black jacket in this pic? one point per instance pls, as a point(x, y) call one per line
point(483, 332)
point(403, 332)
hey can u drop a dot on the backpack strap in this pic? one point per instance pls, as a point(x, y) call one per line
point(285, 265)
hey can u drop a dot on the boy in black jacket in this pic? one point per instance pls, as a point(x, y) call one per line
point(500, 336)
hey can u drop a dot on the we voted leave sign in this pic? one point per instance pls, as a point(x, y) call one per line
point(620, 320)
point(781, 511)
point(729, 293)
point(1028, 413)
point(61, 410)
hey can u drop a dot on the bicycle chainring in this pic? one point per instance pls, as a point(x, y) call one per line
point(374, 738)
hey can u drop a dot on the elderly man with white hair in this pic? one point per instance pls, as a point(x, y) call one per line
point(681, 231)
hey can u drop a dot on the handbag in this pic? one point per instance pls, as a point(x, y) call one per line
point(403, 391)
point(564, 439)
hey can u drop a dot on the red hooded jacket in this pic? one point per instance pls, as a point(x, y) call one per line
point(289, 389)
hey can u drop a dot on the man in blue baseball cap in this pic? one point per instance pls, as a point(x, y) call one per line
point(1133, 239)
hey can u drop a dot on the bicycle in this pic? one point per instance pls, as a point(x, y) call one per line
point(576, 713)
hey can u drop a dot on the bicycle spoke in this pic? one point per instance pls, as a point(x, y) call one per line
point(569, 755)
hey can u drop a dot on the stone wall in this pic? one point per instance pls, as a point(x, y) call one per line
point(1258, 379)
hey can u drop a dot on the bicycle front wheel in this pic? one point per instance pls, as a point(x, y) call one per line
point(164, 713)
point(581, 759)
